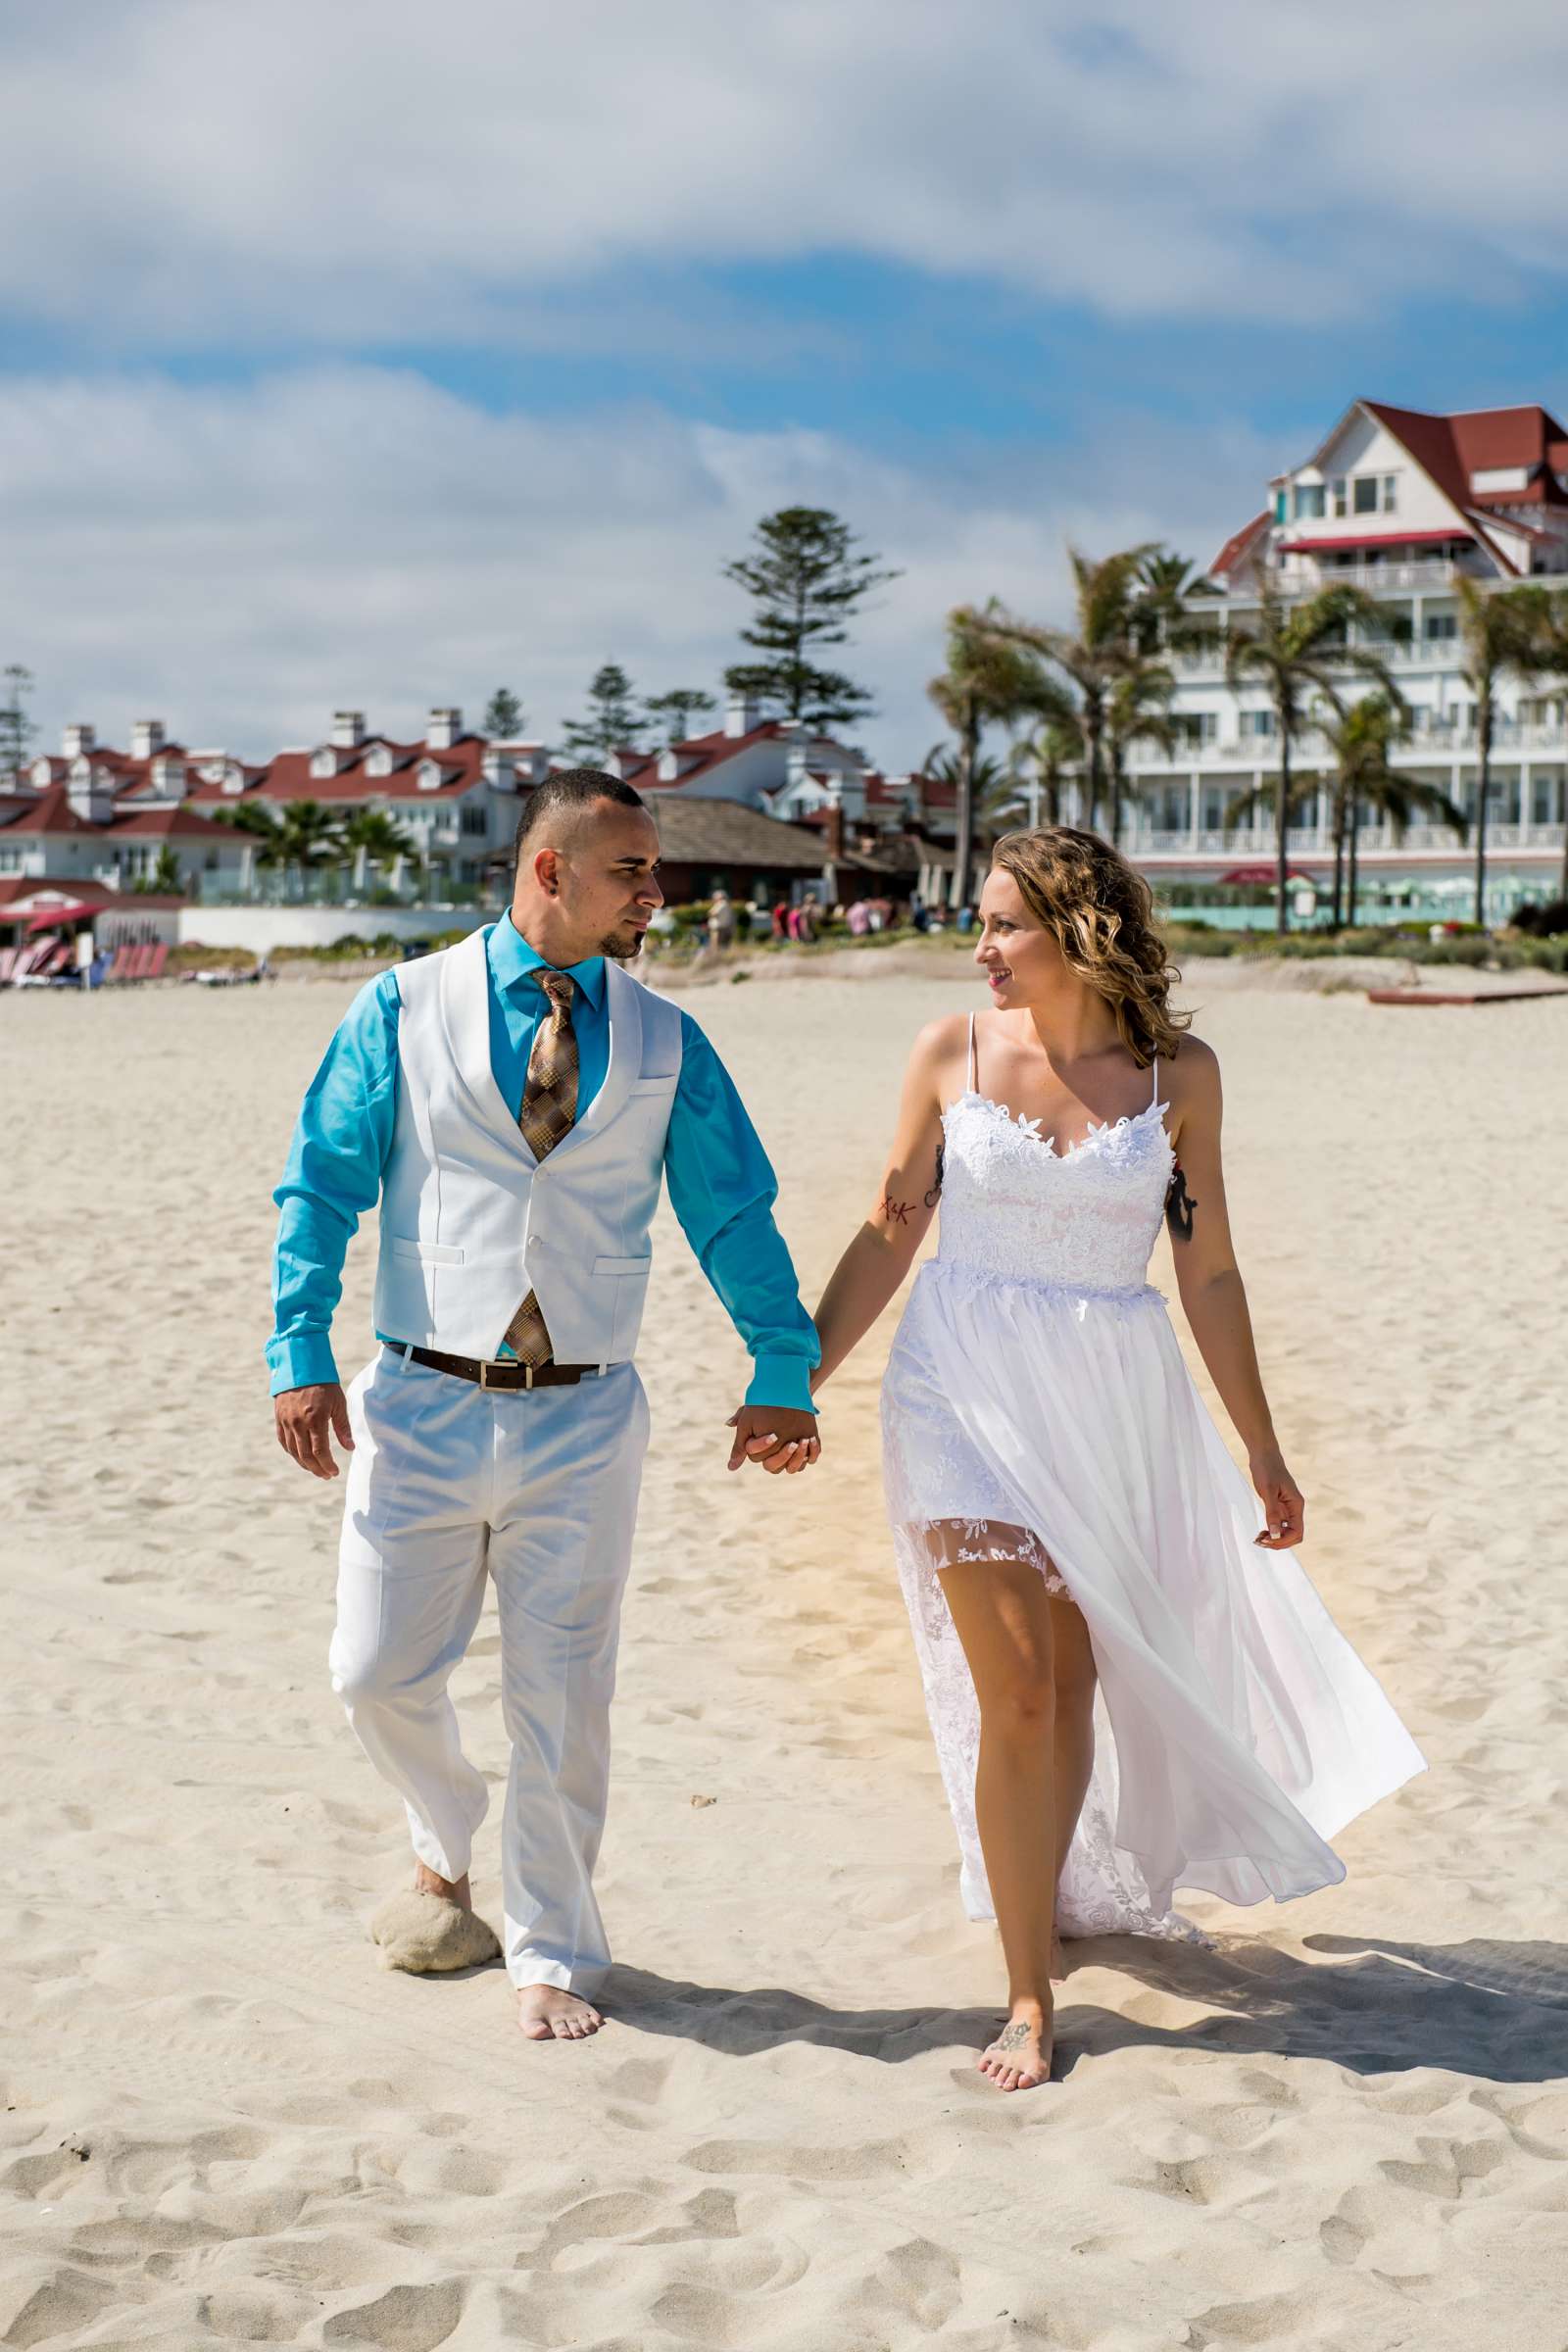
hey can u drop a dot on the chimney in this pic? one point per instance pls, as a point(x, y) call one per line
point(146, 737)
point(78, 739)
point(741, 714)
point(446, 725)
point(348, 730)
point(835, 828)
point(90, 790)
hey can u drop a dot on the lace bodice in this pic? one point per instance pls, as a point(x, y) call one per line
point(1016, 1209)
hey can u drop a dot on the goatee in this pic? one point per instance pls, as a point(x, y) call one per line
point(623, 950)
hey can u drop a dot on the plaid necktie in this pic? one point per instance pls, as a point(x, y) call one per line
point(549, 1111)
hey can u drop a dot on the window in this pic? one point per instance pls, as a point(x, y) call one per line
point(1365, 487)
point(1281, 510)
point(1338, 492)
point(10, 861)
point(1197, 727)
point(1308, 502)
point(1389, 489)
point(1258, 722)
point(1213, 809)
point(475, 817)
point(1440, 625)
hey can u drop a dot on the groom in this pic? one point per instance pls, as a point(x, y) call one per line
point(515, 1103)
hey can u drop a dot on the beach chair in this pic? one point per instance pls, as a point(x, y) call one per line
point(122, 963)
point(8, 957)
point(140, 957)
point(58, 959)
point(157, 961)
point(31, 959)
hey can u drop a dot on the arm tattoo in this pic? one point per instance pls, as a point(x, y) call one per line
point(934, 1194)
point(897, 1212)
point(1180, 1206)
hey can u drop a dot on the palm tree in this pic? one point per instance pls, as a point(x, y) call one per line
point(1557, 664)
point(1092, 654)
point(378, 840)
point(1041, 765)
point(259, 819)
point(310, 837)
point(1137, 710)
point(1500, 633)
point(1291, 648)
point(986, 678)
point(1160, 618)
point(1361, 739)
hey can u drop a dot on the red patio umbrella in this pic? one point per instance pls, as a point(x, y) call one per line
point(1242, 876)
point(68, 914)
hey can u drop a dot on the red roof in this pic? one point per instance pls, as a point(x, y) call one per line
point(52, 812)
point(288, 777)
point(699, 756)
point(1239, 542)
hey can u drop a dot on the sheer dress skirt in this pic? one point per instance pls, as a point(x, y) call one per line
point(1235, 1729)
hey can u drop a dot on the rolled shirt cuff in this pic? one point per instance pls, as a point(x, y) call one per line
point(783, 1381)
point(303, 1361)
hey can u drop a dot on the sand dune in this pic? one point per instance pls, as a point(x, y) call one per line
point(1347, 2125)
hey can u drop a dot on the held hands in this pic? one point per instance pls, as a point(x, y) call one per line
point(307, 1419)
point(1284, 1507)
point(774, 1436)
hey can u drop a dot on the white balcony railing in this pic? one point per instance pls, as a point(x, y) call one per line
point(1248, 844)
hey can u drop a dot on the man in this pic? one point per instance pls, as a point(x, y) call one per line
point(516, 1101)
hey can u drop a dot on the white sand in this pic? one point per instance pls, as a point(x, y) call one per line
point(224, 2124)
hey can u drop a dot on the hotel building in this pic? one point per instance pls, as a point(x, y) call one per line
point(1400, 504)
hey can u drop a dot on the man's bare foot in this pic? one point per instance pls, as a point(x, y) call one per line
point(547, 2014)
point(1019, 2058)
point(453, 1890)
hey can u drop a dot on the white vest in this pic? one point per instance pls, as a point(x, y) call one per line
point(470, 1221)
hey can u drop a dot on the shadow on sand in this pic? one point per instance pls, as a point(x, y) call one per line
point(1498, 2011)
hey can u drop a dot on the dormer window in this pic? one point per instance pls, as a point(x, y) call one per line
point(377, 760)
point(428, 775)
point(324, 762)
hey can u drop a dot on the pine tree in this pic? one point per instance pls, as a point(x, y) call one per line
point(16, 730)
point(503, 716)
point(807, 581)
point(613, 716)
point(675, 711)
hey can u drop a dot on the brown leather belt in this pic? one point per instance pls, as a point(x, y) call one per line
point(503, 1374)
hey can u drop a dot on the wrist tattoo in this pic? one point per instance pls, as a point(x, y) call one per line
point(1180, 1206)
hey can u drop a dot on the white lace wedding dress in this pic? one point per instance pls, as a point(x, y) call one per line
point(1035, 1382)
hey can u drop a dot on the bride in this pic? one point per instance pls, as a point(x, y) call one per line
point(1126, 1697)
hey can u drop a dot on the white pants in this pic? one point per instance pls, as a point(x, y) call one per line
point(538, 1488)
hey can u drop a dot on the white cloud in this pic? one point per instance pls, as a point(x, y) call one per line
point(241, 561)
point(379, 170)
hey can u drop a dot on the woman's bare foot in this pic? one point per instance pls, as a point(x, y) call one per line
point(1019, 2058)
point(547, 2014)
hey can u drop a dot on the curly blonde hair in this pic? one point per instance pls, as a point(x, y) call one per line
point(1100, 913)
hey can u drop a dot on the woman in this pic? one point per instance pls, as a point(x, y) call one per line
point(1125, 1697)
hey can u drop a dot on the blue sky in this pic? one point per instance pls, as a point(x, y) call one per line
point(383, 354)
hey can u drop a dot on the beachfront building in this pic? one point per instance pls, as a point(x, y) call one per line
point(1399, 504)
point(889, 834)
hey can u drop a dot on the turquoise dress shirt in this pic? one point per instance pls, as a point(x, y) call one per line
point(721, 1184)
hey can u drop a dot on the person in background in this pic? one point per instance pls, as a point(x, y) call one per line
point(720, 919)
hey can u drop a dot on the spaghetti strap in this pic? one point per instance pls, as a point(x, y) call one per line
point(973, 1089)
point(1155, 1091)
